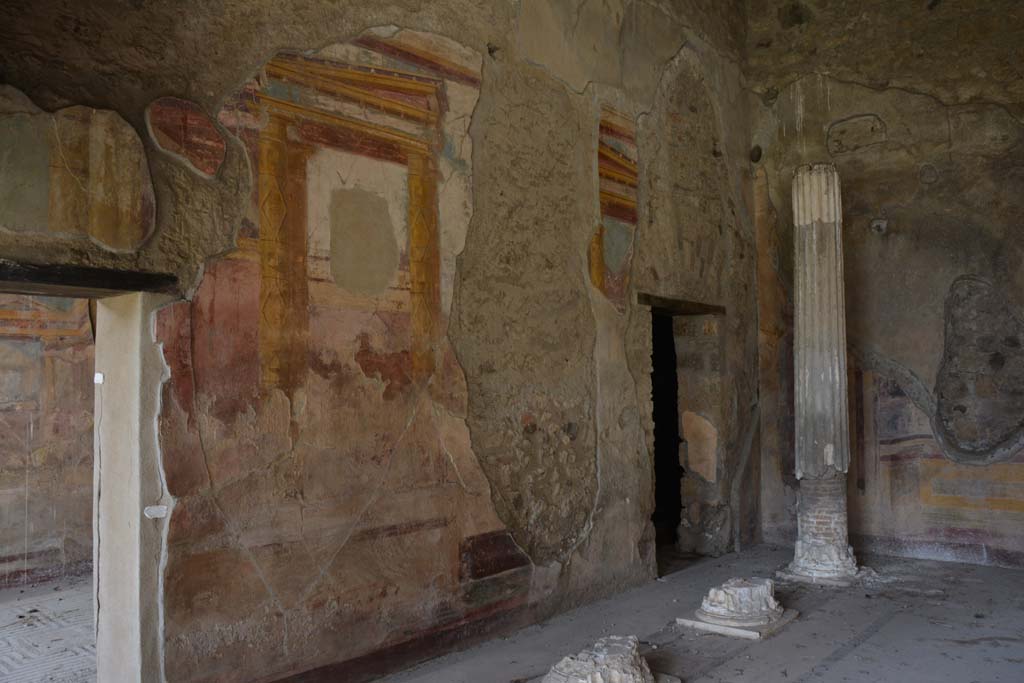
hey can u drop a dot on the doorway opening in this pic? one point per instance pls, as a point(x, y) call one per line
point(46, 464)
point(62, 329)
point(668, 472)
point(685, 393)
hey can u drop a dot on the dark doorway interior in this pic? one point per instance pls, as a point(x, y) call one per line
point(668, 474)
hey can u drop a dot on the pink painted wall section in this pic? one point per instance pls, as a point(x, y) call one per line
point(906, 498)
point(46, 409)
point(180, 127)
point(328, 501)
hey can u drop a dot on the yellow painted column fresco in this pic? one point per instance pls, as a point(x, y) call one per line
point(424, 262)
point(99, 179)
point(69, 171)
point(596, 259)
point(284, 318)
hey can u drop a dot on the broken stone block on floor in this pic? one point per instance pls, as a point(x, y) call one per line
point(742, 608)
point(615, 659)
point(741, 602)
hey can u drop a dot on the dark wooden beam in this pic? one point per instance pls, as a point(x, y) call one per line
point(80, 281)
point(667, 306)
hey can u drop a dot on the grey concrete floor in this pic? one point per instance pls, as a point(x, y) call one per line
point(46, 633)
point(916, 622)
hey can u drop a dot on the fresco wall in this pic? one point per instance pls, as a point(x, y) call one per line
point(79, 173)
point(313, 428)
point(46, 413)
point(906, 497)
point(268, 473)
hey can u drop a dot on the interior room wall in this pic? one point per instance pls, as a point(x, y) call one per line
point(46, 358)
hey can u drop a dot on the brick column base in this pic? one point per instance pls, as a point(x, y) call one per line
point(822, 546)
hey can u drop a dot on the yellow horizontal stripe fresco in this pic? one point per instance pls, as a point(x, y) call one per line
point(370, 130)
point(357, 94)
point(933, 471)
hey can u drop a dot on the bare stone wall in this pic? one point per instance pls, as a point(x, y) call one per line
point(926, 135)
point(698, 229)
point(521, 295)
point(701, 371)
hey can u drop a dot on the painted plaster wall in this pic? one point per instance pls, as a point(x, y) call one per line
point(927, 136)
point(540, 388)
point(328, 500)
point(46, 359)
point(361, 458)
point(79, 173)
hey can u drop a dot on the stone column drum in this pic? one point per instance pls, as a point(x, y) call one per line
point(822, 420)
point(742, 603)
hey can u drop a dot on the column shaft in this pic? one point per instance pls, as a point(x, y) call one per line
point(822, 420)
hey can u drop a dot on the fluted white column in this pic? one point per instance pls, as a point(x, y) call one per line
point(822, 420)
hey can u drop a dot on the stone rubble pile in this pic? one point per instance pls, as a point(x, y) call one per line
point(615, 659)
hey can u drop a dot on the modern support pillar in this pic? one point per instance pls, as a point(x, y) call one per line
point(822, 421)
point(131, 502)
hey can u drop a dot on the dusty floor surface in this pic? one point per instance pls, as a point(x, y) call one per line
point(915, 622)
point(46, 633)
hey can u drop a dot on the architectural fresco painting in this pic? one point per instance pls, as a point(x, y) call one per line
point(611, 247)
point(78, 171)
point(46, 403)
point(907, 496)
point(313, 429)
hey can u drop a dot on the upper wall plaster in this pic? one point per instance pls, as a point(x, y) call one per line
point(957, 52)
point(78, 172)
point(115, 55)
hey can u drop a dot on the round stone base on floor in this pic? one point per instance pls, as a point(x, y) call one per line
point(823, 561)
point(741, 602)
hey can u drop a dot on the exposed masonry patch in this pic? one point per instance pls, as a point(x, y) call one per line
point(980, 386)
point(977, 409)
point(856, 132)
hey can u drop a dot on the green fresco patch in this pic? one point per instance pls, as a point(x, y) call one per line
point(24, 172)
